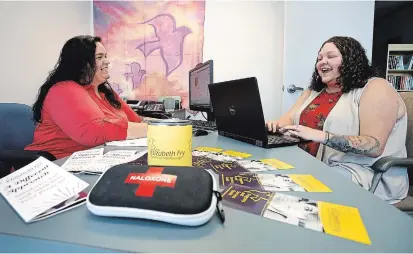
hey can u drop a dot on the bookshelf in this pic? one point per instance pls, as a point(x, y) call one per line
point(399, 71)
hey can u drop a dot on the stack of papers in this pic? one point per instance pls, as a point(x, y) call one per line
point(112, 158)
point(95, 162)
point(79, 161)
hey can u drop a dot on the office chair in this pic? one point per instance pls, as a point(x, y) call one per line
point(16, 132)
point(383, 164)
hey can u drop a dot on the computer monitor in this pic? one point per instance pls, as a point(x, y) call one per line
point(199, 79)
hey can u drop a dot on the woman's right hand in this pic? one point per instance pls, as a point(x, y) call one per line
point(136, 130)
point(274, 126)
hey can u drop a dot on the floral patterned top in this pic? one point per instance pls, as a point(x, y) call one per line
point(314, 115)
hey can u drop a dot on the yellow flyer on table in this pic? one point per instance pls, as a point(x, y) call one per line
point(277, 164)
point(208, 149)
point(274, 182)
point(329, 218)
point(239, 155)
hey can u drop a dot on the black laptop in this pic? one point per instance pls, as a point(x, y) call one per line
point(238, 114)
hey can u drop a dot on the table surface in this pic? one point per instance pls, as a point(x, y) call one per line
point(78, 230)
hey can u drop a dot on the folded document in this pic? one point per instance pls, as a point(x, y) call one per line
point(42, 189)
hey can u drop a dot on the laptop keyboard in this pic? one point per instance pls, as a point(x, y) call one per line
point(208, 125)
point(280, 139)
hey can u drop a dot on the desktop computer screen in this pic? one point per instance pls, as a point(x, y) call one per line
point(199, 79)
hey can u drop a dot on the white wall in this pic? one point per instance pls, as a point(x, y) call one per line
point(245, 38)
point(308, 24)
point(33, 34)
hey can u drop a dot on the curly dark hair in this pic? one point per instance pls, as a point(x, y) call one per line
point(76, 63)
point(355, 68)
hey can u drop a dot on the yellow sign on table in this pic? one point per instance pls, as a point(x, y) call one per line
point(343, 221)
point(169, 143)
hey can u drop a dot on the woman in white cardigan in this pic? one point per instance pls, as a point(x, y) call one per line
point(352, 118)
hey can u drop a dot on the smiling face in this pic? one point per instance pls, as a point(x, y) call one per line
point(328, 63)
point(101, 65)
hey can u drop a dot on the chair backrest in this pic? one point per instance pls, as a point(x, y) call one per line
point(17, 126)
point(407, 97)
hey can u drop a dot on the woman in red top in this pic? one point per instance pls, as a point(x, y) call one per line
point(341, 67)
point(76, 109)
point(351, 118)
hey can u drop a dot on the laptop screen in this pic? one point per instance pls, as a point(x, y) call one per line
point(238, 109)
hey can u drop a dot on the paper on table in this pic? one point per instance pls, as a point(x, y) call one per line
point(329, 218)
point(113, 158)
point(129, 142)
point(81, 159)
point(71, 203)
point(264, 165)
point(274, 182)
point(39, 187)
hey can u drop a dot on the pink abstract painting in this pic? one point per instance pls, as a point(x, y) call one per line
point(151, 45)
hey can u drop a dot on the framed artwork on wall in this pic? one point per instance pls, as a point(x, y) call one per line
point(151, 45)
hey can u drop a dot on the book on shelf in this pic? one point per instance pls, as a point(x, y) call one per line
point(401, 82)
point(42, 189)
point(400, 66)
point(400, 62)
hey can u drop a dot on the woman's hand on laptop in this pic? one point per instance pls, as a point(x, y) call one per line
point(304, 133)
point(274, 126)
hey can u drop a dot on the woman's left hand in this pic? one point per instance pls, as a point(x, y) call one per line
point(305, 133)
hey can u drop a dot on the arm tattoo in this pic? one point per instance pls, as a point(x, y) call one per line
point(362, 145)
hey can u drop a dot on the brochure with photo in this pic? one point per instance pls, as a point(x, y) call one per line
point(42, 189)
point(274, 182)
point(329, 218)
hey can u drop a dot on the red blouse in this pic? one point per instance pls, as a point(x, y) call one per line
point(74, 118)
point(314, 115)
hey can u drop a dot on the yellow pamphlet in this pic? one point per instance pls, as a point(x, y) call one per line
point(208, 149)
point(237, 154)
point(277, 164)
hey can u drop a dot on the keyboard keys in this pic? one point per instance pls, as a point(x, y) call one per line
point(204, 124)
